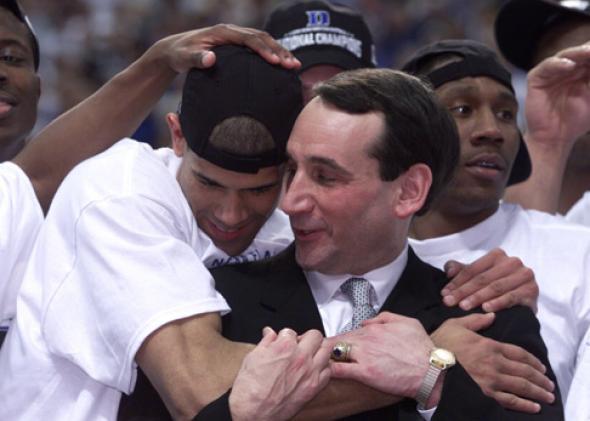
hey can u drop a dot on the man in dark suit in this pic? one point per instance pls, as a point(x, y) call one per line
point(369, 152)
point(373, 149)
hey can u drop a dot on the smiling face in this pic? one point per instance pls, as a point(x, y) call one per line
point(485, 113)
point(341, 211)
point(19, 85)
point(230, 207)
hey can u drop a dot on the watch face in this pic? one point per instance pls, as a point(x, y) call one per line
point(442, 358)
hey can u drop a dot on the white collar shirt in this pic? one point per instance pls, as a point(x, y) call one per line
point(335, 308)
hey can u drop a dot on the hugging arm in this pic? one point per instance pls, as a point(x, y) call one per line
point(118, 108)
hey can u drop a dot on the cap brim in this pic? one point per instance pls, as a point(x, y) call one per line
point(518, 26)
point(315, 56)
point(521, 169)
point(14, 7)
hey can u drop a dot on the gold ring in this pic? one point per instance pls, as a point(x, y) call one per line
point(341, 352)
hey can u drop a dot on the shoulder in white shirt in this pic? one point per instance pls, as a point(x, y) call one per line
point(558, 253)
point(119, 256)
point(21, 217)
point(580, 212)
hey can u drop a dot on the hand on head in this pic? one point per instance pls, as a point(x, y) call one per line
point(193, 48)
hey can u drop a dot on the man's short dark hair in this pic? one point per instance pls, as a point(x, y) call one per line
point(418, 129)
point(242, 135)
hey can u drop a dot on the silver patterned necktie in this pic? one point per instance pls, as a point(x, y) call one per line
point(358, 291)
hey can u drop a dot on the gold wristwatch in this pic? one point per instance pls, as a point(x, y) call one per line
point(440, 360)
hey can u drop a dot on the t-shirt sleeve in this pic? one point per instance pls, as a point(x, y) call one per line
point(580, 212)
point(577, 405)
point(20, 219)
point(130, 270)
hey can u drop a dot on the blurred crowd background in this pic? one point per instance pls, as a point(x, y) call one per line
point(85, 42)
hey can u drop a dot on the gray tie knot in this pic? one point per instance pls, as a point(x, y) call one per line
point(358, 291)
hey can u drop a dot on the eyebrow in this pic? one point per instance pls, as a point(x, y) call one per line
point(472, 90)
point(328, 162)
point(459, 90)
point(13, 42)
point(509, 97)
point(216, 183)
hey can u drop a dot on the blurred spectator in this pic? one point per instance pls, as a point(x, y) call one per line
point(85, 42)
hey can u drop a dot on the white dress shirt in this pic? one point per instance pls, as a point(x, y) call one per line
point(336, 309)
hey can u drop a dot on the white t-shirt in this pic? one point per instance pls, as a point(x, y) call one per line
point(577, 406)
point(558, 253)
point(20, 219)
point(119, 256)
point(580, 212)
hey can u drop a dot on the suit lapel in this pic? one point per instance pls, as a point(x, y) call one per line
point(417, 293)
point(288, 297)
point(289, 301)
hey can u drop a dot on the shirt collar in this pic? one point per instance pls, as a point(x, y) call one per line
point(383, 279)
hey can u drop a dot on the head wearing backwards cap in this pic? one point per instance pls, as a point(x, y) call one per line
point(241, 83)
point(473, 59)
point(14, 7)
point(520, 24)
point(320, 32)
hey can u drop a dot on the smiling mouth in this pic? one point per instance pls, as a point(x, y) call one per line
point(303, 232)
point(5, 107)
point(306, 235)
point(224, 233)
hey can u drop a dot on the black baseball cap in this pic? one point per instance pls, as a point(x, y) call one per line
point(241, 83)
point(477, 60)
point(520, 24)
point(14, 7)
point(321, 32)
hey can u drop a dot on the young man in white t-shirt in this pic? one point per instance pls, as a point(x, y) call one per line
point(468, 219)
point(119, 262)
point(29, 176)
point(151, 316)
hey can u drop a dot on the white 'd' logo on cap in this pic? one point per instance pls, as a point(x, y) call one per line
point(318, 18)
point(575, 4)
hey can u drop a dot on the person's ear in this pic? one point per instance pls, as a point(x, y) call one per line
point(414, 186)
point(179, 144)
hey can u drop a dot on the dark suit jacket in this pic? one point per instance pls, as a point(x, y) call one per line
point(275, 293)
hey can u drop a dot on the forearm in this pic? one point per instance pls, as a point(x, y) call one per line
point(190, 364)
point(541, 191)
point(342, 398)
point(113, 112)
